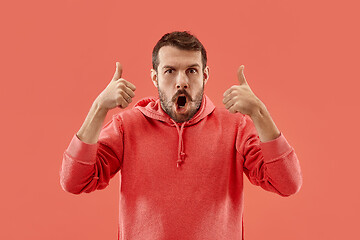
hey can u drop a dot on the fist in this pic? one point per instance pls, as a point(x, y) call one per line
point(118, 93)
point(240, 98)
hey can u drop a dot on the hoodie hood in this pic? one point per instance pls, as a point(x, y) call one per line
point(151, 107)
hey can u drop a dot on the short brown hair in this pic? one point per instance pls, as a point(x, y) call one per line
point(182, 40)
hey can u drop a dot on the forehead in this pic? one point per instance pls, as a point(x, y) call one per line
point(173, 56)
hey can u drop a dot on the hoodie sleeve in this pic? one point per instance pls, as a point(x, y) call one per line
point(273, 165)
point(87, 167)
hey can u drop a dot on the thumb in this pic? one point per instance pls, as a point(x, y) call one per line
point(118, 71)
point(241, 76)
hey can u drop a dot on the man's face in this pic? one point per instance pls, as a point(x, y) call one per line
point(180, 82)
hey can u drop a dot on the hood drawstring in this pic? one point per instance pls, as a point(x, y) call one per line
point(151, 108)
point(181, 154)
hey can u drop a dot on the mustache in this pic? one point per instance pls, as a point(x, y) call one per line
point(179, 92)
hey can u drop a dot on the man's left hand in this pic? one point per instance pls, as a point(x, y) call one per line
point(240, 98)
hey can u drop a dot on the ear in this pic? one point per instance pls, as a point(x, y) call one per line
point(154, 77)
point(206, 74)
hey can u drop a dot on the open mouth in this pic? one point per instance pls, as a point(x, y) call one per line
point(181, 101)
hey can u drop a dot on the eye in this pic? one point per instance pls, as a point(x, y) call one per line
point(192, 70)
point(169, 71)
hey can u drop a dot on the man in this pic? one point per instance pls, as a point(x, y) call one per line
point(181, 160)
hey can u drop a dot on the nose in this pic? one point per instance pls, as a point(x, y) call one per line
point(182, 81)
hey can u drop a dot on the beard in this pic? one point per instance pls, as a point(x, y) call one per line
point(168, 104)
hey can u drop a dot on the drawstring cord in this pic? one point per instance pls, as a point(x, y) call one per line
point(181, 154)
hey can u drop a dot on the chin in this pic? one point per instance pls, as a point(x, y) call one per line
point(179, 118)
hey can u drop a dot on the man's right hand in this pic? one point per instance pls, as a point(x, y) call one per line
point(118, 93)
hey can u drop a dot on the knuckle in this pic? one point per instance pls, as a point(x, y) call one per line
point(122, 81)
point(119, 99)
point(232, 95)
point(121, 86)
point(120, 92)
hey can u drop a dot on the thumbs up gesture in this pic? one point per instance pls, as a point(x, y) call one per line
point(240, 98)
point(118, 93)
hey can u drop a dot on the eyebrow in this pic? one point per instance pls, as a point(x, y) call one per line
point(193, 65)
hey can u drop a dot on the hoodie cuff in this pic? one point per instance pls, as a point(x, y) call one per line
point(276, 148)
point(82, 152)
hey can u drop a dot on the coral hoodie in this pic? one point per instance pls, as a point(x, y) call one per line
point(180, 180)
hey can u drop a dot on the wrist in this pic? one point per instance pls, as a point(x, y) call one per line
point(99, 108)
point(259, 111)
point(264, 124)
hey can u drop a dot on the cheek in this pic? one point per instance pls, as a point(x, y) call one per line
point(198, 84)
point(165, 82)
point(165, 89)
point(165, 92)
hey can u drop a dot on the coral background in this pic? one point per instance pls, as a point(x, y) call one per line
point(301, 59)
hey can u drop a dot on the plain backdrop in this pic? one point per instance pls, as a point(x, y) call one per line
point(301, 59)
